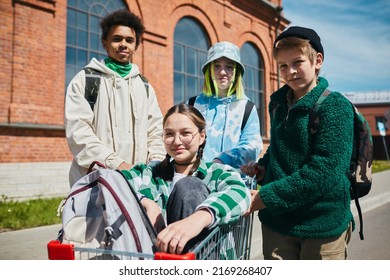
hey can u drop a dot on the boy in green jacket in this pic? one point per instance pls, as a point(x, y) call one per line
point(304, 200)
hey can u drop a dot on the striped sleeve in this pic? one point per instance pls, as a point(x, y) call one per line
point(229, 197)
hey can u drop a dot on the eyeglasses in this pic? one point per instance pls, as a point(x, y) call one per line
point(185, 137)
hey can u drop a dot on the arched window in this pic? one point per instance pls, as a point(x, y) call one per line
point(83, 32)
point(190, 52)
point(254, 79)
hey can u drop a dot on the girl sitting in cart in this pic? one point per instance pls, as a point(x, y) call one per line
point(185, 193)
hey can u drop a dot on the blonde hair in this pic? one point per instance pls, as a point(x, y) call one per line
point(210, 86)
point(294, 42)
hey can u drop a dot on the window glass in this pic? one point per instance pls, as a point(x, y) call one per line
point(71, 36)
point(70, 56)
point(83, 32)
point(190, 51)
point(179, 58)
point(82, 37)
point(94, 42)
point(179, 87)
point(254, 79)
point(191, 61)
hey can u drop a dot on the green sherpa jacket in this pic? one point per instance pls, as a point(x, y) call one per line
point(305, 188)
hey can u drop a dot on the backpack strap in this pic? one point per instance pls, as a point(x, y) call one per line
point(149, 227)
point(191, 100)
point(92, 85)
point(313, 116)
point(146, 83)
point(358, 208)
point(248, 109)
point(314, 122)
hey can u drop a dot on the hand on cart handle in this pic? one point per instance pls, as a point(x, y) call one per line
point(175, 236)
point(253, 169)
point(256, 202)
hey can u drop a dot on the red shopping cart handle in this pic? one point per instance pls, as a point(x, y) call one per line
point(167, 256)
point(59, 251)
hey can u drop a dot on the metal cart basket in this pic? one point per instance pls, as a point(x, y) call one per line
point(225, 242)
point(230, 241)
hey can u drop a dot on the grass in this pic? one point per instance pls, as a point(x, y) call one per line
point(380, 165)
point(26, 214)
point(16, 215)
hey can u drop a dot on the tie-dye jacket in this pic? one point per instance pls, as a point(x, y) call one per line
point(225, 140)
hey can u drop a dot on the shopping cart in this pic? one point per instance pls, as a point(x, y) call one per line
point(235, 237)
point(230, 241)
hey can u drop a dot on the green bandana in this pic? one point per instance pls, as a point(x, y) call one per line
point(121, 69)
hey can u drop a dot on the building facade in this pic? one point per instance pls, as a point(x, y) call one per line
point(44, 43)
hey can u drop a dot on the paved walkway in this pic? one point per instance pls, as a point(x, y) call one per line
point(30, 244)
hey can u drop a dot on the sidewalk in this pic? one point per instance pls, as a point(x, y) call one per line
point(30, 244)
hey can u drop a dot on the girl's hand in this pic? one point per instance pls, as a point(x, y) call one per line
point(251, 169)
point(176, 235)
point(256, 202)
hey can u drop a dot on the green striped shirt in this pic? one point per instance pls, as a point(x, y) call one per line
point(229, 197)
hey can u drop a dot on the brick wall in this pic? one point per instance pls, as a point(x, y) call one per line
point(32, 76)
point(23, 181)
point(32, 45)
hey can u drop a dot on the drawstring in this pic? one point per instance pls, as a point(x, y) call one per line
point(129, 82)
point(111, 101)
point(114, 83)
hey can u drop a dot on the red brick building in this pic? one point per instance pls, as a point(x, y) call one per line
point(43, 43)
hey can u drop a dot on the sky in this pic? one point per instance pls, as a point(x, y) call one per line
point(355, 35)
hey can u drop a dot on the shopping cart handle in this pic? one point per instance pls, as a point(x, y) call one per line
point(59, 251)
point(167, 256)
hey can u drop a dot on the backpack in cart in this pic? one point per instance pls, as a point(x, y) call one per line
point(103, 211)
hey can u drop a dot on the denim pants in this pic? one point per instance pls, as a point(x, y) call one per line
point(187, 194)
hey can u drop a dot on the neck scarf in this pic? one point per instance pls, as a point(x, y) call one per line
point(120, 68)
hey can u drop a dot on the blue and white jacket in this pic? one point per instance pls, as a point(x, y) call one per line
point(225, 140)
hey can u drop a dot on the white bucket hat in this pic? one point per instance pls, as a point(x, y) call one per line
point(224, 49)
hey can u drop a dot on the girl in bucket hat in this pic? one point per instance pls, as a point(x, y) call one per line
point(223, 103)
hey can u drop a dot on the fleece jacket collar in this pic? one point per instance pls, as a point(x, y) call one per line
point(307, 101)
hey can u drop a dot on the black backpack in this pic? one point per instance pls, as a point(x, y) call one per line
point(248, 108)
point(360, 169)
point(92, 85)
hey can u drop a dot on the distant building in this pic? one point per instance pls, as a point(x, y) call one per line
point(375, 106)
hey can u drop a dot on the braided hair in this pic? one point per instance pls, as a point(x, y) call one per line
point(165, 169)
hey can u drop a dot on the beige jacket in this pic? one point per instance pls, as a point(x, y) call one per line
point(125, 125)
